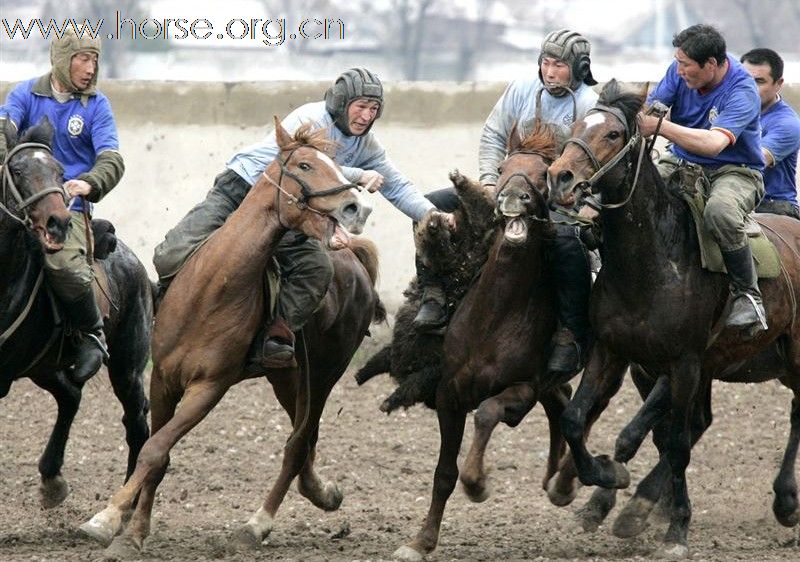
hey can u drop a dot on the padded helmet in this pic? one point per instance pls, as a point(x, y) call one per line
point(351, 85)
point(574, 49)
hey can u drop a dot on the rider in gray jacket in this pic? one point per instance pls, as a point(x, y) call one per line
point(563, 63)
point(351, 106)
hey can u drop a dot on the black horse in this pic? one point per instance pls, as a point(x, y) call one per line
point(33, 341)
point(654, 305)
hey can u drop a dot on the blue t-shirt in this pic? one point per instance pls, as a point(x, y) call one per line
point(81, 132)
point(733, 107)
point(780, 135)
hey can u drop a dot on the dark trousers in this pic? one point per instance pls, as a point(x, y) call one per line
point(777, 207)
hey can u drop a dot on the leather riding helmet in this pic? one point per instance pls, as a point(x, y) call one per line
point(573, 48)
point(353, 84)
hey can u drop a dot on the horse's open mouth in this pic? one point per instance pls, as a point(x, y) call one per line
point(516, 230)
point(50, 244)
point(338, 237)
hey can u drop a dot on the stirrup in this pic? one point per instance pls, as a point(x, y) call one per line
point(94, 338)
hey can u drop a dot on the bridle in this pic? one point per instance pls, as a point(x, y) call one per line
point(306, 192)
point(587, 186)
point(8, 186)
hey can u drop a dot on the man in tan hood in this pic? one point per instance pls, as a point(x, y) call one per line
point(87, 146)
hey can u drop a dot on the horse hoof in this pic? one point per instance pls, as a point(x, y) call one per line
point(477, 492)
point(329, 499)
point(673, 552)
point(244, 539)
point(632, 520)
point(556, 497)
point(123, 547)
point(613, 474)
point(53, 491)
point(407, 554)
point(458, 179)
point(589, 517)
point(786, 510)
point(102, 527)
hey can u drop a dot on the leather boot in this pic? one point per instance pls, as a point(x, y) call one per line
point(432, 314)
point(747, 308)
point(278, 350)
point(91, 352)
point(567, 353)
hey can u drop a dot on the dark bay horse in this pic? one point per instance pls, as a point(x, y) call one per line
point(654, 305)
point(495, 348)
point(33, 219)
point(212, 311)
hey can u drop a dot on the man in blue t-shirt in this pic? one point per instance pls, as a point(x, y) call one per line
point(86, 144)
point(714, 122)
point(780, 134)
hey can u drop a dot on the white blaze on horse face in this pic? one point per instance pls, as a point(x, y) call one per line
point(594, 119)
point(327, 160)
point(40, 155)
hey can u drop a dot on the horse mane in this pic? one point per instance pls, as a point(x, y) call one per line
point(543, 140)
point(317, 139)
point(614, 95)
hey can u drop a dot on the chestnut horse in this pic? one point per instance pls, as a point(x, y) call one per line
point(654, 305)
point(496, 346)
point(34, 219)
point(212, 311)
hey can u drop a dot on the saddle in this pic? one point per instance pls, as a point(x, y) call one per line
point(693, 185)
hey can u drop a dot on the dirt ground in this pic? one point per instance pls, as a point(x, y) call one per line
point(220, 473)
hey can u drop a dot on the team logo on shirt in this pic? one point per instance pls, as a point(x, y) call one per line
point(713, 113)
point(75, 125)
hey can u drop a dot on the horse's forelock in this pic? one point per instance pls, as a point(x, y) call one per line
point(317, 139)
point(614, 95)
point(542, 139)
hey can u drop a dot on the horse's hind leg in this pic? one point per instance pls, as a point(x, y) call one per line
point(785, 506)
point(53, 488)
point(509, 406)
point(325, 495)
point(125, 368)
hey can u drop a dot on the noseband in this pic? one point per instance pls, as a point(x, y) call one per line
point(8, 186)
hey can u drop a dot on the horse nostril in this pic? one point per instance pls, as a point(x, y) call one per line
point(565, 176)
point(58, 227)
point(350, 210)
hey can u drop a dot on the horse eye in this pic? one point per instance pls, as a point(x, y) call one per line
point(525, 197)
point(614, 135)
point(304, 166)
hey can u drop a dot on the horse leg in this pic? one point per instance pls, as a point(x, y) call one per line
point(53, 489)
point(509, 406)
point(554, 401)
point(785, 505)
point(601, 379)
point(125, 369)
point(198, 399)
point(295, 455)
point(654, 493)
point(684, 381)
point(325, 495)
point(451, 429)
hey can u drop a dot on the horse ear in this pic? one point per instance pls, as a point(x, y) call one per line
point(282, 137)
point(644, 90)
point(9, 131)
point(46, 130)
point(514, 140)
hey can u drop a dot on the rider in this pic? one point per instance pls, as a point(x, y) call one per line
point(780, 134)
point(714, 123)
point(86, 145)
point(351, 106)
point(563, 65)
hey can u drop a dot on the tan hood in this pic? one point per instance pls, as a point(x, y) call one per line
point(61, 52)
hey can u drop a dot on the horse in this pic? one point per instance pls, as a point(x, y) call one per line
point(212, 311)
point(496, 347)
point(654, 305)
point(33, 341)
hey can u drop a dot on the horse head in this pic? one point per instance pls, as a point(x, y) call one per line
point(596, 156)
point(318, 200)
point(522, 185)
point(32, 185)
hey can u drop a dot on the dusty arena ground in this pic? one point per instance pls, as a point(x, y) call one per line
point(220, 473)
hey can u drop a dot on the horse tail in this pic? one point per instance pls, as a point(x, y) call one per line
point(367, 253)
